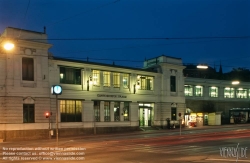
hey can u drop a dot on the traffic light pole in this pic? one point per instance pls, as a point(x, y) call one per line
point(56, 122)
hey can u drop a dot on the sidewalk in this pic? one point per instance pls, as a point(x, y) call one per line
point(165, 130)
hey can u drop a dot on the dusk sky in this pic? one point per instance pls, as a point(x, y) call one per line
point(133, 19)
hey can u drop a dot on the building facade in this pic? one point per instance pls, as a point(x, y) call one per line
point(95, 98)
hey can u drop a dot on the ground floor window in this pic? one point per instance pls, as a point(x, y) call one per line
point(28, 113)
point(97, 110)
point(117, 111)
point(126, 111)
point(240, 116)
point(173, 113)
point(106, 111)
point(71, 110)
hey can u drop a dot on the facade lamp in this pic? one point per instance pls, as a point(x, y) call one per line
point(202, 66)
point(235, 82)
point(8, 46)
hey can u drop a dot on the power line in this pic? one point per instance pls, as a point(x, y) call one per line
point(25, 15)
point(144, 38)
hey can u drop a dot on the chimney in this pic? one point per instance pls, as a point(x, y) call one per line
point(44, 29)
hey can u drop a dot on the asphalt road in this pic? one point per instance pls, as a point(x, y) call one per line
point(193, 145)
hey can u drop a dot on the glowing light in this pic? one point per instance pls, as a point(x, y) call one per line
point(235, 82)
point(202, 66)
point(8, 46)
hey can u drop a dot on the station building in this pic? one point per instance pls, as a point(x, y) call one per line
point(100, 97)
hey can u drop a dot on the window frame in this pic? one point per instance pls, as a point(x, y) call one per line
point(173, 83)
point(28, 75)
point(146, 82)
point(213, 89)
point(71, 106)
point(189, 93)
point(70, 75)
point(116, 80)
point(29, 108)
point(201, 91)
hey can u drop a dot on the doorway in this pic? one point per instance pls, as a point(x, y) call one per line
point(145, 116)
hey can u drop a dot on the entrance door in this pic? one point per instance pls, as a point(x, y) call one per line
point(145, 117)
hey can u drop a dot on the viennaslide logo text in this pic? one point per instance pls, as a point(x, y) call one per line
point(234, 152)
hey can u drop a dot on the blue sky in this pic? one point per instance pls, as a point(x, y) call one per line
point(138, 19)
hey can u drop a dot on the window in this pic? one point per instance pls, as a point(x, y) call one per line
point(97, 110)
point(28, 69)
point(28, 113)
point(70, 75)
point(106, 111)
point(241, 93)
point(126, 111)
point(188, 90)
point(106, 79)
point(96, 77)
point(71, 110)
point(173, 84)
point(198, 90)
point(228, 92)
point(173, 113)
point(213, 91)
point(116, 79)
point(146, 82)
point(125, 80)
point(117, 111)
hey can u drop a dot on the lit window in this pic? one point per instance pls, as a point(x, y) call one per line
point(116, 79)
point(106, 79)
point(117, 111)
point(125, 80)
point(188, 90)
point(213, 91)
point(70, 75)
point(145, 82)
point(241, 93)
point(96, 77)
point(71, 110)
point(106, 111)
point(198, 90)
point(126, 111)
point(228, 92)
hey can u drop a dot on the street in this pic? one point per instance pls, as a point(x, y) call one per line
point(208, 144)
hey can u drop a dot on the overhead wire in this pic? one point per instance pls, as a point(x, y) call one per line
point(25, 15)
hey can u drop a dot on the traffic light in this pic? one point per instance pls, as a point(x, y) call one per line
point(48, 114)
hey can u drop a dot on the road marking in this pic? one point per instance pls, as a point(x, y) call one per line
point(233, 160)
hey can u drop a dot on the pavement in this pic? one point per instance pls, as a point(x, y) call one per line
point(145, 132)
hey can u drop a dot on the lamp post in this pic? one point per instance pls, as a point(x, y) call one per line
point(56, 90)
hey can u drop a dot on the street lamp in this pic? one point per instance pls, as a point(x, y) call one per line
point(202, 66)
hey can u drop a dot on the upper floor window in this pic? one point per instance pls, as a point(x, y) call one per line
point(96, 77)
point(213, 91)
point(69, 75)
point(116, 79)
point(173, 83)
point(146, 82)
point(188, 90)
point(241, 93)
point(125, 80)
point(228, 92)
point(28, 69)
point(106, 79)
point(198, 91)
